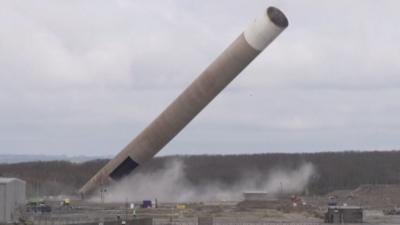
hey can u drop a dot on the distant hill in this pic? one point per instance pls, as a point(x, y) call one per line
point(334, 170)
point(17, 158)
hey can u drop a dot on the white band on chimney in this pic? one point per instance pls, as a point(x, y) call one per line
point(261, 32)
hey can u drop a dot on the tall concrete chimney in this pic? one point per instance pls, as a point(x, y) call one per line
point(261, 32)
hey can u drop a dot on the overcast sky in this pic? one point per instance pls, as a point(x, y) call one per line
point(85, 77)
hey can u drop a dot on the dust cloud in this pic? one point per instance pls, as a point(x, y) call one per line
point(171, 185)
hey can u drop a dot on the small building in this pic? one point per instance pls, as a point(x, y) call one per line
point(344, 214)
point(12, 195)
point(258, 196)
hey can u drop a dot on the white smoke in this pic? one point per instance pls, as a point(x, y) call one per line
point(290, 181)
point(171, 185)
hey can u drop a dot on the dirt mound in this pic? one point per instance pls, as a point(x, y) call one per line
point(370, 196)
point(378, 189)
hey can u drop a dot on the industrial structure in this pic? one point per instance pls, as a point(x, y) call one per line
point(12, 196)
point(344, 214)
point(261, 32)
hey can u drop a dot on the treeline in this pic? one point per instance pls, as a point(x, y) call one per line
point(52, 178)
point(334, 170)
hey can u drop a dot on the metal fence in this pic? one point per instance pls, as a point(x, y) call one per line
point(48, 220)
